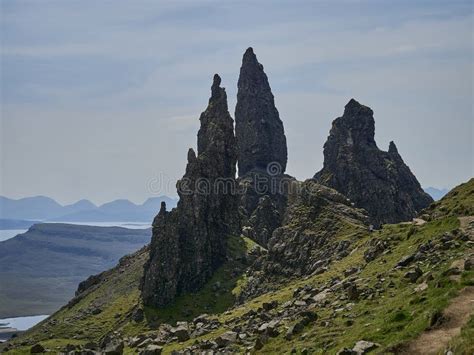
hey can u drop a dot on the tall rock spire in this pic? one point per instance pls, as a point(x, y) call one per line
point(259, 131)
point(377, 181)
point(189, 243)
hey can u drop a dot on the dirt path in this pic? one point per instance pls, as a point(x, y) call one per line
point(457, 315)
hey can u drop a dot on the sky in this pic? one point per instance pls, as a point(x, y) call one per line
point(101, 99)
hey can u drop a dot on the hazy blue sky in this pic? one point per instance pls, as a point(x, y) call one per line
point(101, 97)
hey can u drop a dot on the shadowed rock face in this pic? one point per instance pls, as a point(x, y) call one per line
point(377, 181)
point(262, 152)
point(258, 128)
point(189, 243)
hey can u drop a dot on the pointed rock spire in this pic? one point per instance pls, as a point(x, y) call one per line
point(162, 207)
point(375, 180)
point(357, 124)
point(259, 131)
point(392, 148)
point(189, 243)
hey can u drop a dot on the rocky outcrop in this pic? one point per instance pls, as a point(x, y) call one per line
point(189, 243)
point(259, 131)
point(377, 181)
point(314, 233)
point(263, 200)
point(263, 221)
point(307, 241)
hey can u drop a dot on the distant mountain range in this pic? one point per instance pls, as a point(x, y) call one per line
point(437, 194)
point(14, 213)
point(46, 209)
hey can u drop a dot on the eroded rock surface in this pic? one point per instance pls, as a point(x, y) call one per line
point(377, 181)
point(309, 238)
point(259, 130)
point(262, 153)
point(189, 243)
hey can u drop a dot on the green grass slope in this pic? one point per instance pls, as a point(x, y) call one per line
point(457, 202)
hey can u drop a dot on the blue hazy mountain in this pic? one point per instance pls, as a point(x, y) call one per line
point(437, 194)
point(46, 209)
point(38, 207)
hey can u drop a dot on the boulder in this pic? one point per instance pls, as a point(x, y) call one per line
point(421, 287)
point(37, 349)
point(69, 347)
point(414, 274)
point(138, 315)
point(469, 263)
point(377, 248)
point(151, 350)
point(363, 347)
point(91, 346)
point(203, 318)
point(294, 330)
point(268, 306)
point(352, 292)
point(136, 340)
point(114, 347)
point(269, 328)
point(321, 296)
point(181, 332)
point(406, 260)
point(259, 343)
point(226, 339)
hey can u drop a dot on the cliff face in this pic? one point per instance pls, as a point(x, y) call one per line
point(189, 243)
point(377, 181)
point(259, 130)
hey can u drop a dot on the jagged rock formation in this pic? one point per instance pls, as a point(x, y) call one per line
point(189, 243)
point(258, 128)
point(307, 240)
point(263, 221)
point(312, 236)
point(373, 179)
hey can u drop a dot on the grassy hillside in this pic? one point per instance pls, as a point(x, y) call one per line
point(457, 202)
point(392, 286)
